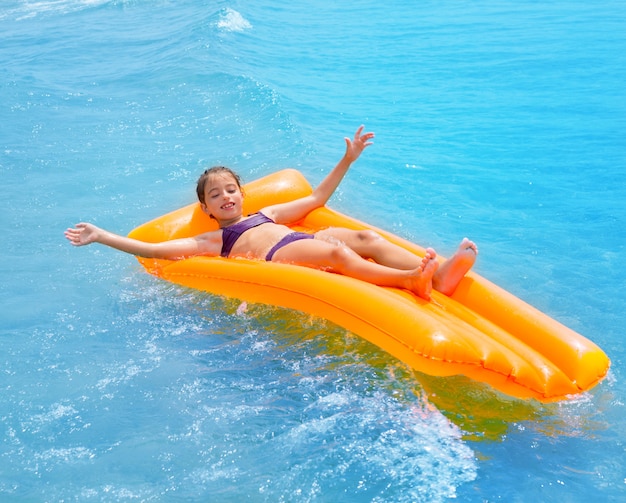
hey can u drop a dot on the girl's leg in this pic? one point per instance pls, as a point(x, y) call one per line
point(370, 244)
point(337, 257)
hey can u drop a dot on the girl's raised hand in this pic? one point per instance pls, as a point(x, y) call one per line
point(355, 146)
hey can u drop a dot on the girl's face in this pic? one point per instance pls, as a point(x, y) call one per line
point(223, 197)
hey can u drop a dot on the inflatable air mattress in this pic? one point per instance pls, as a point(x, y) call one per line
point(481, 331)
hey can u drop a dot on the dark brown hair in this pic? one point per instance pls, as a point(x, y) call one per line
point(213, 171)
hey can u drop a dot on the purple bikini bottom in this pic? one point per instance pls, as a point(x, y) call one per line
point(289, 238)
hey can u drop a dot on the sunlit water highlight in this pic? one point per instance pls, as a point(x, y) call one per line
point(502, 122)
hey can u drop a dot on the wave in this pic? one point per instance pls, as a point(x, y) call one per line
point(296, 387)
point(27, 9)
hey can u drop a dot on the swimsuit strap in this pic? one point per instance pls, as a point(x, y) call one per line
point(232, 233)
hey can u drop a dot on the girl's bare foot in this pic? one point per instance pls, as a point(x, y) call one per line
point(421, 279)
point(452, 271)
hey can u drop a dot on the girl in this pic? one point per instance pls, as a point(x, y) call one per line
point(363, 255)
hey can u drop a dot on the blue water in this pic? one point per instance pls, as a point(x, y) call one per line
point(502, 121)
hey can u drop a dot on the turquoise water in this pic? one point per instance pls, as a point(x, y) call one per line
point(501, 121)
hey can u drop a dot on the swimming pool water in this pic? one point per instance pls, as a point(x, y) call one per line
point(500, 121)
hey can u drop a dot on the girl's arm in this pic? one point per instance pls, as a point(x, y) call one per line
point(296, 210)
point(209, 243)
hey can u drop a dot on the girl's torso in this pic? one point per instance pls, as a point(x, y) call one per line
point(253, 242)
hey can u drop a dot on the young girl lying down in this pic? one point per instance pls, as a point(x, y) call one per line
point(362, 254)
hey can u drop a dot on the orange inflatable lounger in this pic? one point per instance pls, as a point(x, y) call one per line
point(481, 331)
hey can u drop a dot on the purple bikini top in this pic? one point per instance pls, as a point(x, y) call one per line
point(231, 233)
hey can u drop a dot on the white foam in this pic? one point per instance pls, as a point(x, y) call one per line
point(231, 20)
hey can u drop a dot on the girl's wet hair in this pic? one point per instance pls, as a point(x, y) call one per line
point(215, 170)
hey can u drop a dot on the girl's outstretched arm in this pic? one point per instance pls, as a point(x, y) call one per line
point(298, 209)
point(205, 244)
